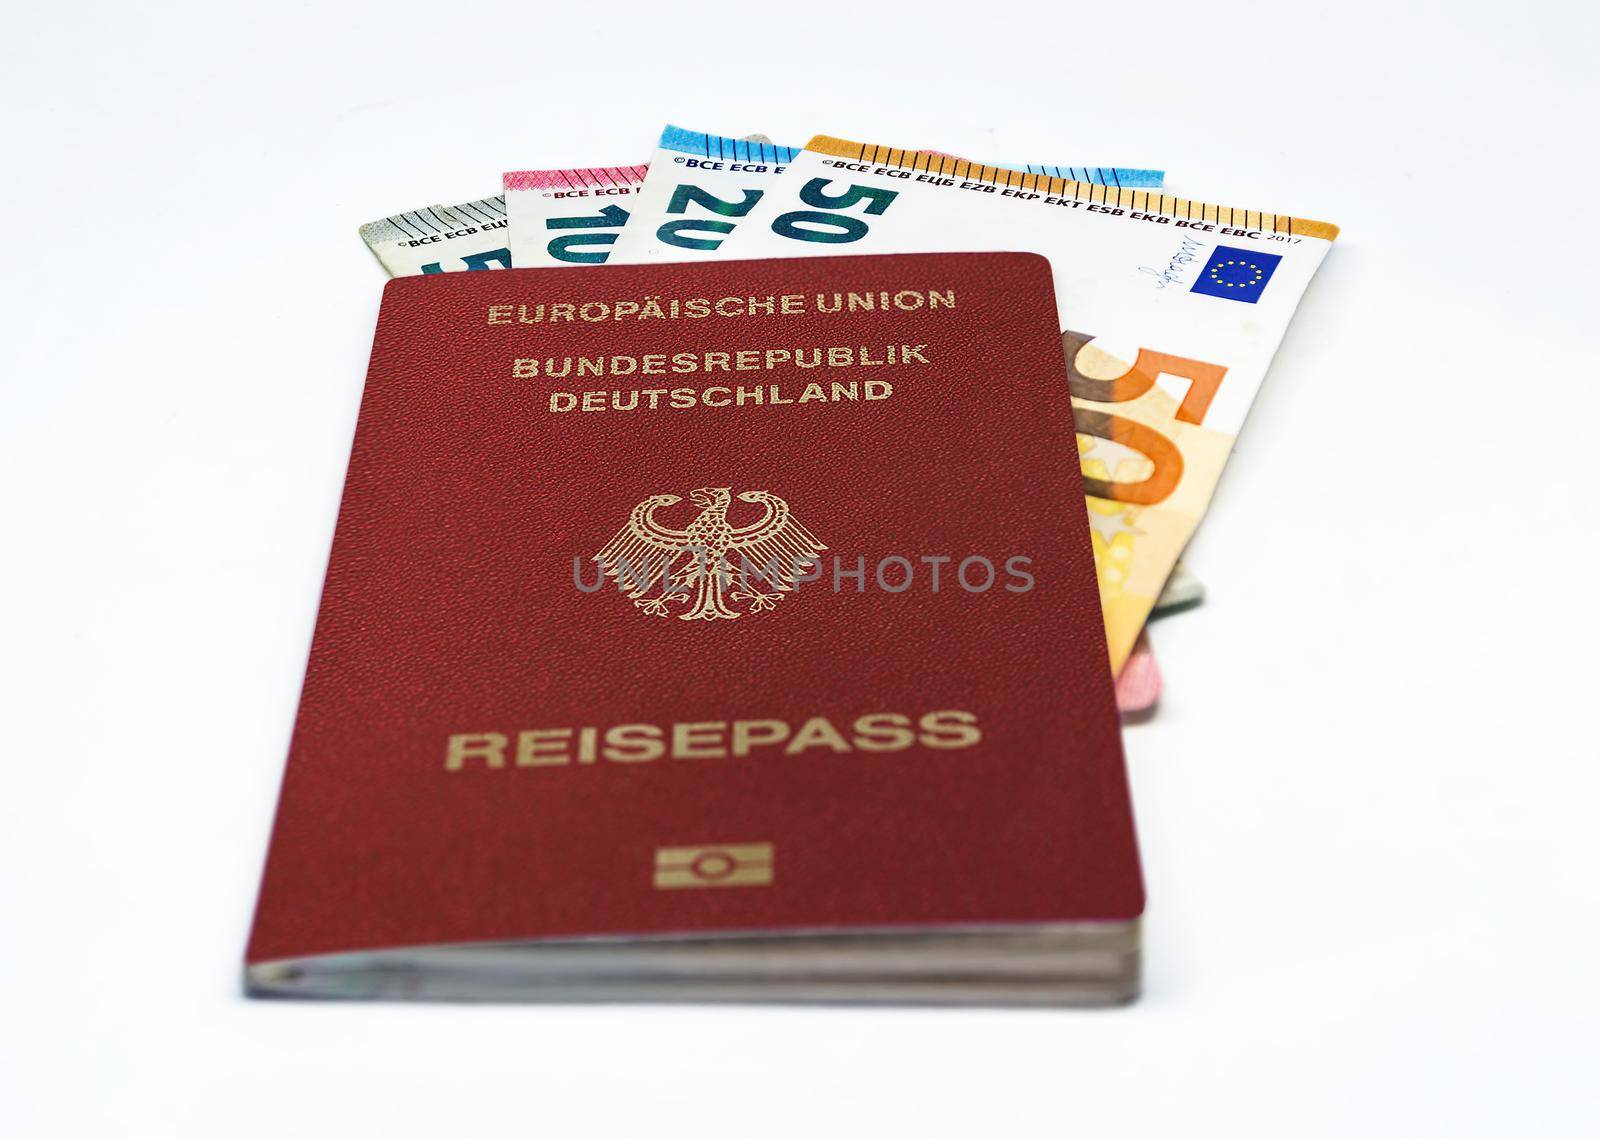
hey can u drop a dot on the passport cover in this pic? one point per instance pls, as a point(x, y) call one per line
point(489, 748)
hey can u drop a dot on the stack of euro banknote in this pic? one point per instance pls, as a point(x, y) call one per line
point(1171, 308)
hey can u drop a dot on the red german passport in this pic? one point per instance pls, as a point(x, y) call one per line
point(725, 630)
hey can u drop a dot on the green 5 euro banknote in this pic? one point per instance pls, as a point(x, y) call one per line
point(441, 238)
point(1170, 310)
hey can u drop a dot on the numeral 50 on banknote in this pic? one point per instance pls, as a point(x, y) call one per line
point(1166, 460)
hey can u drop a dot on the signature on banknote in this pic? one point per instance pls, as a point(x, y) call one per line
point(1186, 255)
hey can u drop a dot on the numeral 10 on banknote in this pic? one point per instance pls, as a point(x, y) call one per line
point(565, 248)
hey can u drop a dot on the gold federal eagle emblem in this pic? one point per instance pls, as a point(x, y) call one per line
point(710, 562)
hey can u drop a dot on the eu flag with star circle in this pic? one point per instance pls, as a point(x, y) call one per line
point(1236, 274)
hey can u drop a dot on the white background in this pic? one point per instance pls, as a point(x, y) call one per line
point(1367, 803)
